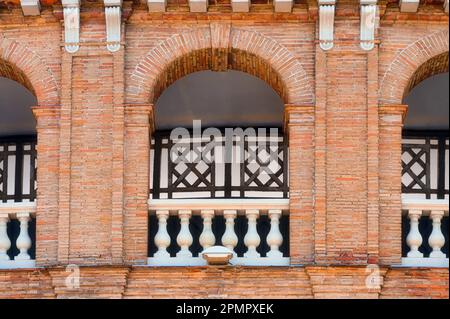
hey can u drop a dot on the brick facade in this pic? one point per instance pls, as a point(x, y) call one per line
point(343, 117)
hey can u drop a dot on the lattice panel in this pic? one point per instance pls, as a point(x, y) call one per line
point(425, 165)
point(220, 167)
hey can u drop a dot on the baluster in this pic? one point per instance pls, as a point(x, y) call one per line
point(414, 238)
point(229, 238)
point(251, 239)
point(5, 243)
point(23, 242)
point(207, 238)
point(184, 238)
point(436, 239)
point(162, 238)
point(274, 238)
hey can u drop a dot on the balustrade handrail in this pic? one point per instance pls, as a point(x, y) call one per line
point(13, 208)
point(219, 204)
point(425, 204)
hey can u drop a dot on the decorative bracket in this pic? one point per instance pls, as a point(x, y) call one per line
point(113, 14)
point(326, 23)
point(156, 5)
point(71, 25)
point(409, 5)
point(240, 5)
point(30, 7)
point(368, 24)
point(446, 6)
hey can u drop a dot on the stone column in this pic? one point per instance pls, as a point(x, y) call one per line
point(299, 128)
point(47, 118)
point(390, 177)
point(139, 126)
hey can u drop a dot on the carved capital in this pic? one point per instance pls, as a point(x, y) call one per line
point(326, 24)
point(392, 114)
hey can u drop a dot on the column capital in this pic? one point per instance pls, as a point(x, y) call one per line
point(298, 115)
point(140, 115)
point(46, 116)
point(392, 114)
point(45, 111)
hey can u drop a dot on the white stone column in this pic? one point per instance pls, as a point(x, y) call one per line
point(229, 238)
point(275, 238)
point(162, 238)
point(184, 238)
point(252, 239)
point(5, 243)
point(436, 239)
point(207, 238)
point(414, 238)
point(23, 242)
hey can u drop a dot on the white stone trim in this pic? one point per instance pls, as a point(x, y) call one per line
point(235, 261)
point(446, 6)
point(30, 7)
point(240, 5)
point(425, 204)
point(198, 5)
point(283, 5)
point(424, 262)
point(71, 9)
point(409, 5)
point(326, 24)
point(156, 5)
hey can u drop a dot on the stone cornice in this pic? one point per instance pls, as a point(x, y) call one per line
point(135, 112)
point(394, 109)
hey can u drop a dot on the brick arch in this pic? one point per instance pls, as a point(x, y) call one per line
point(418, 61)
point(22, 65)
point(219, 47)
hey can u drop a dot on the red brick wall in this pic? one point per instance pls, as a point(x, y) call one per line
point(219, 282)
point(95, 116)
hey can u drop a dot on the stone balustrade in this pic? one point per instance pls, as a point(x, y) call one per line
point(250, 228)
point(417, 211)
point(15, 240)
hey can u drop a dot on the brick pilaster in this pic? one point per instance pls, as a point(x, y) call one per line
point(299, 126)
point(47, 119)
point(139, 124)
point(390, 177)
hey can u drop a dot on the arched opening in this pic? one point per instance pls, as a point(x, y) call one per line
point(237, 156)
point(425, 159)
point(18, 166)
